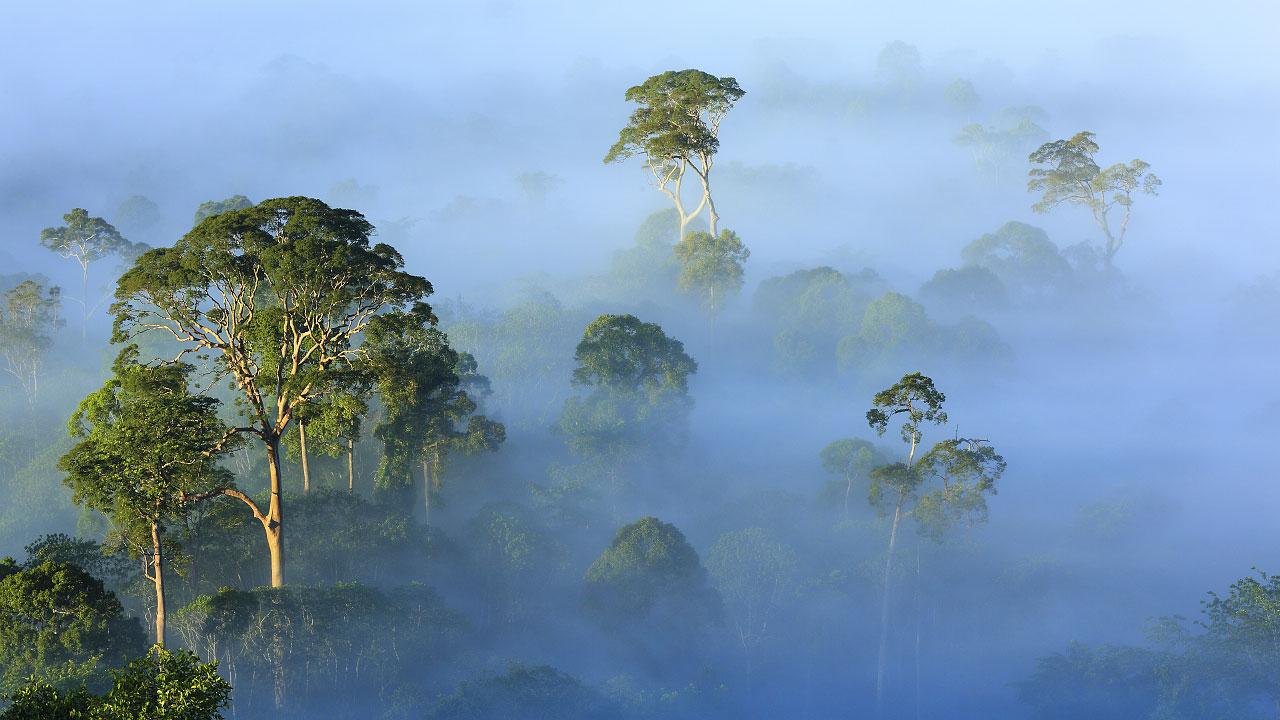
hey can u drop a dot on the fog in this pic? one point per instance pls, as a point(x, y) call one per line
point(1135, 408)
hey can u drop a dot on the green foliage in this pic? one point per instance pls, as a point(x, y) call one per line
point(166, 686)
point(850, 460)
point(537, 185)
point(649, 571)
point(147, 448)
point(512, 554)
point(138, 216)
point(961, 96)
point(1245, 625)
point(1022, 256)
point(423, 384)
point(638, 402)
point(28, 320)
point(973, 288)
point(59, 624)
point(649, 269)
point(211, 208)
point(757, 575)
point(809, 311)
point(334, 643)
point(898, 64)
point(1068, 173)
point(711, 266)
point(894, 327)
point(996, 147)
point(113, 569)
point(678, 116)
point(536, 693)
point(38, 700)
point(85, 239)
point(947, 484)
point(621, 354)
point(1109, 683)
point(158, 686)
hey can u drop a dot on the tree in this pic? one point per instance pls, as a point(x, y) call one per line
point(850, 460)
point(28, 317)
point(1071, 175)
point(676, 128)
point(711, 266)
point(756, 575)
point(810, 310)
point(537, 185)
point(533, 693)
point(210, 208)
point(85, 240)
point(330, 425)
point(1022, 256)
point(157, 686)
point(138, 216)
point(648, 270)
point(1244, 625)
point(965, 471)
point(964, 290)
point(278, 297)
point(59, 624)
point(424, 384)
point(898, 64)
point(638, 400)
point(995, 147)
point(147, 450)
point(649, 591)
point(962, 96)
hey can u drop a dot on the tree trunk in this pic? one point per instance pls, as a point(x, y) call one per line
point(273, 522)
point(918, 621)
point(713, 219)
point(84, 302)
point(351, 465)
point(302, 453)
point(426, 490)
point(884, 611)
point(848, 489)
point(157, 570)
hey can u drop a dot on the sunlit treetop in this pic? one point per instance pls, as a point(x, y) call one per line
point(913, 396)
point(622, 353)
point(678, 116)
point(85, 239)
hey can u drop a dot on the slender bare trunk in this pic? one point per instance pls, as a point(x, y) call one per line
point(157, 570)
point(302, 452)
point(84, 302)
point(882, 657)
point(272, 523)
point(426, 489)
point(848, 490)
point(351, 465)
point(918, 620)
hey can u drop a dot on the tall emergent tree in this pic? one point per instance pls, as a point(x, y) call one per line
point(949, 481)
point(711, 266)
point(425, 387)
point(85, 240)
point(277, 296)
point(28, 317)
point(1070, 175)
point(676, 128)
point(148, 449)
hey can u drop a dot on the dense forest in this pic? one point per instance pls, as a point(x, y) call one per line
point(727, 385)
